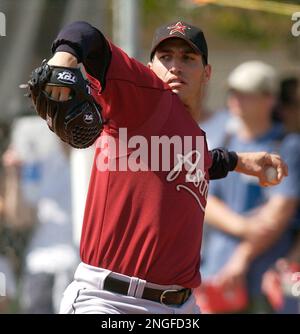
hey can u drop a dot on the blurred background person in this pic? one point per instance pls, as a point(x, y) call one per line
point(8, 235)
point(250, 226)
point(8, 288)
point(8, 291)
point(50, 256)
point(280, 281)
point(287, 107)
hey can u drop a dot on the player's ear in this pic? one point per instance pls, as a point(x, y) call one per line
point(207, 72)
point(149, 65)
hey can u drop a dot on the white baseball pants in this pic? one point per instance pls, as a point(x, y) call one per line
point(86, 295)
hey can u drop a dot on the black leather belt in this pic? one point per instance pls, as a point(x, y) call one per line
point(167, 297)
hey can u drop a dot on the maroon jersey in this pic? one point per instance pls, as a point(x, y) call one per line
point(142, 223)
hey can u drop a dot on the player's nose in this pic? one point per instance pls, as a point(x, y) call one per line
point(175, 67)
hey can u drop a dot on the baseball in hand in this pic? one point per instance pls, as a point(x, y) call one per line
point(271, 174)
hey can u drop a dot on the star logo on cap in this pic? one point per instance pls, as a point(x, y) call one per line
point(178, 27)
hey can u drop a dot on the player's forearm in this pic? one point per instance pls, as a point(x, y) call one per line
point(222, 217)
point(88, 45)
point(64, 58)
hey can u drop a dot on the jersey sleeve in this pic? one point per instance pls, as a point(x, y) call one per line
point(223, 162)
point(127, 90)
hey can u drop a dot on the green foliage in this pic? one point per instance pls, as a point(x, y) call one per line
point(238, 26)
point(160, 11)
point(247, 27)
point(296, 2)
point(263, 29)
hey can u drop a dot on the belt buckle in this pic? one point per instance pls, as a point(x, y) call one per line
point(162, 296)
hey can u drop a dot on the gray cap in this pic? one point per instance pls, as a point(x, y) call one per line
point(254, 77)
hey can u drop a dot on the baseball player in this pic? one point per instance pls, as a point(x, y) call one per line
point(142, 230)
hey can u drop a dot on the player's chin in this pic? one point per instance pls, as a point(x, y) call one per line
point(180, 91)
point(175, 91)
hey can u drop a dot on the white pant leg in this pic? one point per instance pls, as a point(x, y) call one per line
point(189, 307)
point(79, 299)
point(85, 295)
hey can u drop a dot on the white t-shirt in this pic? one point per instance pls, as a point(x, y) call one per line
point(7, 279)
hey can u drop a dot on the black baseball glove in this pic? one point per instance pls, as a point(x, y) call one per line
point(76, 121)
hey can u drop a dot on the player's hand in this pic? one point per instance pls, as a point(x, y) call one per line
point(256, 164)
point(61, 59)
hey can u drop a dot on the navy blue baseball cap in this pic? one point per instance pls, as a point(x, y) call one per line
point(191, 34)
